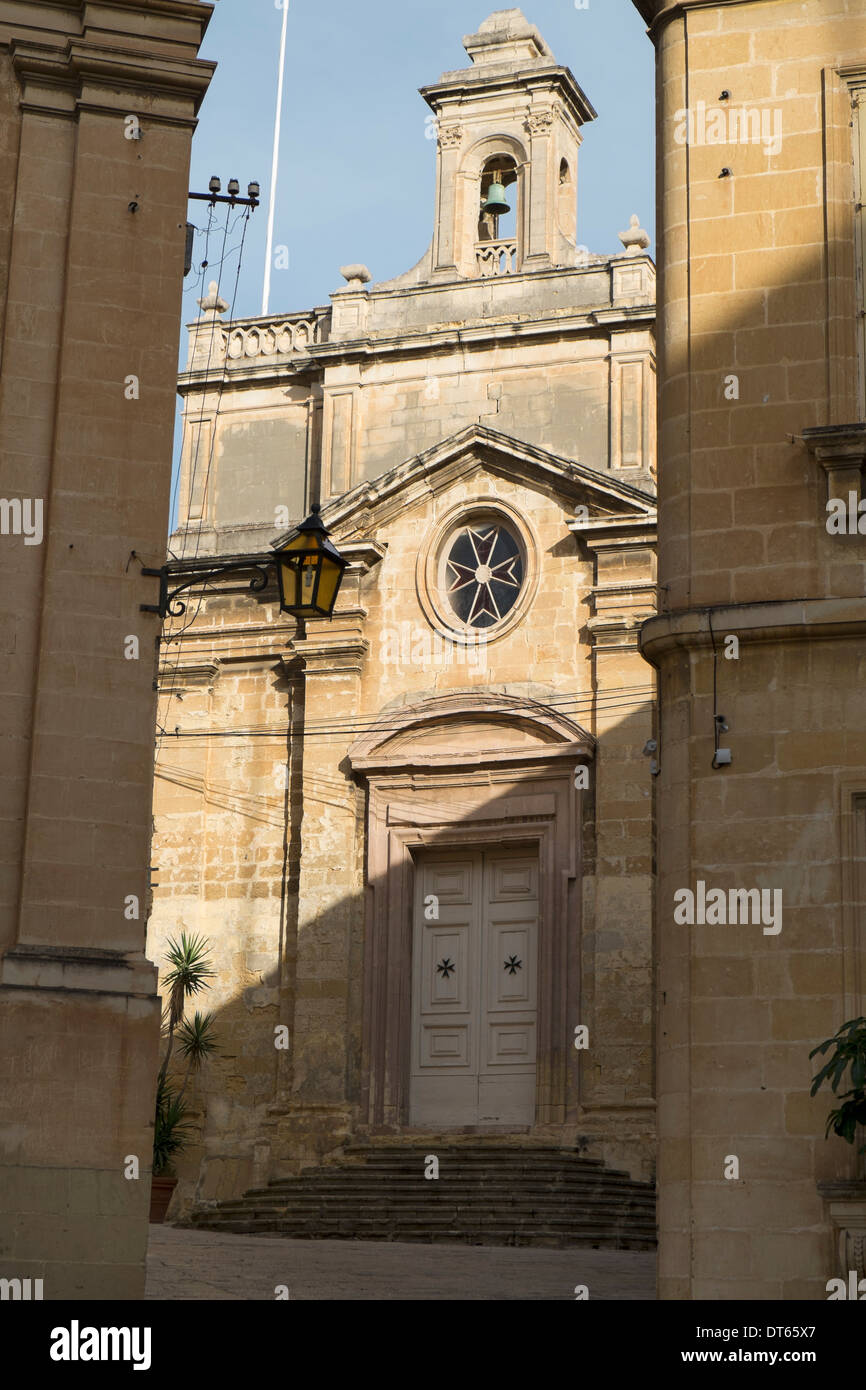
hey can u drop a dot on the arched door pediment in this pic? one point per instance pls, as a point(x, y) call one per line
point(467, 729)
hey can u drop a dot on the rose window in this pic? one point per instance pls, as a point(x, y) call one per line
point(483, 574)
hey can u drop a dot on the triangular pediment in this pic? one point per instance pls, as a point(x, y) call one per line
point(370, 505)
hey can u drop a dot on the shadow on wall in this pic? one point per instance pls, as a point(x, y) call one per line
point(338, 984)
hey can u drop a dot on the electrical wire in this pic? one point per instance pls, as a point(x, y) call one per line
point(604, 705)
point(174, 636)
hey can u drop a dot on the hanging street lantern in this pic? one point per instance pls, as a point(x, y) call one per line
point(309, 570)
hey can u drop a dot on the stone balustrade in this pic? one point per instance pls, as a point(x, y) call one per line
point(281, 337)
point(496, 257)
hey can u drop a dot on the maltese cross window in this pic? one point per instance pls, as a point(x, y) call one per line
point(483, 574)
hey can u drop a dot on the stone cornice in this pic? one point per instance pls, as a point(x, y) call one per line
point(837, 441)
point(604, 532)
point(487, 333)
point(84, 54)
point(95, 77)
point(364, 554)
point(179, 677)
point(332, 656)
point(481, 336)
point(60, 16)
point(658, 13)
point(791, 620)
point(55, 969)
point(478, 83)
point(841, 452)
point(614, 631)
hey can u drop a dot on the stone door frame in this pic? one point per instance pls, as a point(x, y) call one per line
point(479, 799)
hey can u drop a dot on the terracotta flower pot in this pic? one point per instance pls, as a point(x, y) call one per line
point(161, 1190)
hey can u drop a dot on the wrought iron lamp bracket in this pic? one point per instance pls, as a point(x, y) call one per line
point(170, 606)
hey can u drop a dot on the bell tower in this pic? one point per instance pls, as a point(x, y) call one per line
point(509, 123)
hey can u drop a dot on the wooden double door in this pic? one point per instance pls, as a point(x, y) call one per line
point(474, 989)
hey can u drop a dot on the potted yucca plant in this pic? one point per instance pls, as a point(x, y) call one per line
point(189, 975)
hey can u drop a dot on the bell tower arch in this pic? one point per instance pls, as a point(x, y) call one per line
point(511, 121)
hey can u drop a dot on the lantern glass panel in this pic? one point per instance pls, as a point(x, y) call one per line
point(329, 583)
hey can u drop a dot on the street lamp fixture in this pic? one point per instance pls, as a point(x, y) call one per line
point(309, 570)
point(309, 573)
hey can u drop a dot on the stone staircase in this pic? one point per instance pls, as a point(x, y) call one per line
point(484, 1195)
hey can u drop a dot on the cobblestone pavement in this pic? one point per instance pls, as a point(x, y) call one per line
point(209, 1265)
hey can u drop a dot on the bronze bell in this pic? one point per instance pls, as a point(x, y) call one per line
point(496, 203)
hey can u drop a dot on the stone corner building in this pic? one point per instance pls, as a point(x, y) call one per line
point(418, 836)
point(90, 295)
point(762, 422)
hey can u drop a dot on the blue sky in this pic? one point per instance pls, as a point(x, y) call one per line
point(356, 169)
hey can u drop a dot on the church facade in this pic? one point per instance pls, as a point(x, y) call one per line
point(418, 835)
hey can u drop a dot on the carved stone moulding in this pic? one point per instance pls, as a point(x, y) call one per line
point(846, 1207)
point(450, 136)
point(539, 122)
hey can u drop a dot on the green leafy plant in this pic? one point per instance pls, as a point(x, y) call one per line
point(849, 1045)
point(189, 975)
point(170, 1128)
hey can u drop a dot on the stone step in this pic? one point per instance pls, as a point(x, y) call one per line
point(508, 1159)
point(450, 1173)
point(471, 1214)
point(484, 1195)
point(393, 1211)
point(458, 1216)
point(550, 1172)
point(454, 1186)
point(452, 1193)
point(604, 1237)
point(462, 1218)
point(487, 1152)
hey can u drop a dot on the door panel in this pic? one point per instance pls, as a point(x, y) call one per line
point(474, 986)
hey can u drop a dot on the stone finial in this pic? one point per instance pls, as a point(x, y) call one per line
point(356, 275)
point(635, 239)
point(506, 36)
point(213, 303)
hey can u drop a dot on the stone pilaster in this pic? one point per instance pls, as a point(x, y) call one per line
point(326, 1032)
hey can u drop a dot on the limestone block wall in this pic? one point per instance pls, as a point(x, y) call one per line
point(760, 308)
point(561, 359)
point(227, 866)
point(90, 294)
point(555, 396)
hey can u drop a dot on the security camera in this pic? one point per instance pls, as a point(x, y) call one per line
point(650, 747)
point(721, 724)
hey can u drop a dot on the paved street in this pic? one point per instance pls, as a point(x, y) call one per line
point(209, 1265)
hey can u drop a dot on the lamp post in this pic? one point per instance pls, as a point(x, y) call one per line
point(309, 574)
